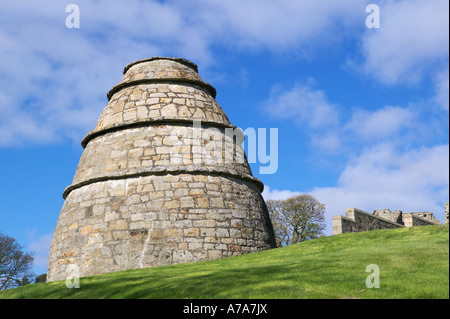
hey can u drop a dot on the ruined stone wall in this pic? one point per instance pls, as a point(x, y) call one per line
point(428, 216)
point(356, 220)
point(154, 188)
point(414, 219)
point(395, 216)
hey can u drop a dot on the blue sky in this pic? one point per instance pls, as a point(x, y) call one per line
point(362, 114)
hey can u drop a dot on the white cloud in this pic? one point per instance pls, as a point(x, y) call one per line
point(384, 177)
point(277, 25)
point(383, 167)
point(328, 140)
point(21, 126)
point(441, 97)
point(331, 133)
point(380, 124)
point(412, 35)
point(56, 78)
point(40, 246)
point(387, 164)
point(302, 104)
point(270, 194)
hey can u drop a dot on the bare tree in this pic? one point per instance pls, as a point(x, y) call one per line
point(297, 219)
point(15, 265)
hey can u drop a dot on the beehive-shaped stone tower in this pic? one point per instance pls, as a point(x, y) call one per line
point(163, 180)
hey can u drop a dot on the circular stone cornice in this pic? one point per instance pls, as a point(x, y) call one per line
point(152, 122)
point(188, 82)
point(185, 62)
point(163, 170)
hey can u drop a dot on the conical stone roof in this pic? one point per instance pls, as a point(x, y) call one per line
point(163, 179)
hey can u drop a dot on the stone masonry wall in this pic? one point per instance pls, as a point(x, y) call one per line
point(156, 148)
point(429, 216)
point(158, 220)
point(158, 101)
point(163, 180)
point(446, 209)
point(395, 216)
point(356, 220)
point(412, 219)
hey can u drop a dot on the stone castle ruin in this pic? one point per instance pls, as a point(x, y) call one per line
point(356, 220)
point(161, 180)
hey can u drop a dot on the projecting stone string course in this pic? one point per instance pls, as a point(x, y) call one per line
point(140, 200)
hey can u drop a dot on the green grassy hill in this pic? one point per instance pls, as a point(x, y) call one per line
point(413, 263)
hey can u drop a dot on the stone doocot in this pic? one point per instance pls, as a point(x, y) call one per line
point(356, 220)
point(446, 214)
point(153, 187)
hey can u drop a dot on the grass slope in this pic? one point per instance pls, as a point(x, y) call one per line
point(414, 263)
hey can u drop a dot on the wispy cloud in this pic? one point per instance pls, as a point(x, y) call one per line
point(393, 157)
point(441, 97)
point(40, 247)
point(384, 177)
point(255, 24)
point(275, 194)
point(380, 124)
point(54, 79)
point(303, 104)
point(412, 35)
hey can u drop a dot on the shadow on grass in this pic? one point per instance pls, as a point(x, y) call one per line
point(292, 280)
point(413, 264)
